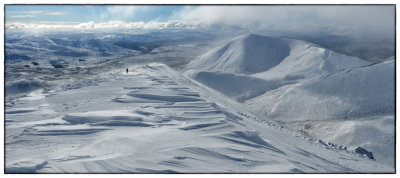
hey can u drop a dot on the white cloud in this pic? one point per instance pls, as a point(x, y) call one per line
point(36, 13)
point(350, 18)
point(375, 20)
point(28, 12)
point(55, 13)
point(22, 16)
point(89, 25)
point(110, 25)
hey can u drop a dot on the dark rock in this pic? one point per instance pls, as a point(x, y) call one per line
point(364, 152)
point(58, 66)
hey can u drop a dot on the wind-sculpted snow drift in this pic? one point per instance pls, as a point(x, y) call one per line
point(307, 89)
point(155, 120)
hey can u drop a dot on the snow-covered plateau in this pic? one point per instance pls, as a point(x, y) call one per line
point(255, 104)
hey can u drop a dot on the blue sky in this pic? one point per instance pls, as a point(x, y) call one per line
point(85, 13)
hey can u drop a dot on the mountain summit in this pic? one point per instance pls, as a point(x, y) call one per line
point(245, 54)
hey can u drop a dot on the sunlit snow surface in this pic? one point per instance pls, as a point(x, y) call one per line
point(326, 95)
point(155, 120)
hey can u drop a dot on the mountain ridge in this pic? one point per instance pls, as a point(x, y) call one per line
point(311, 84)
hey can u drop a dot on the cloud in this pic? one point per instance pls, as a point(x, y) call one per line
point(36, 12)
point(346, 18)
point(28, 12)
point(39, 26)
point(55, 13)
point(89, 25)
point(110, 25)
point(372, 20)
point(22, 16)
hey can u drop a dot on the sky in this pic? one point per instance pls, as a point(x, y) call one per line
point(86, 13)
point(349, 19)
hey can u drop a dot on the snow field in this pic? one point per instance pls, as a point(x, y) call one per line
point(155, 120)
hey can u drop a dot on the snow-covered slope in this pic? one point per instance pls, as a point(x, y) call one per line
point(246, 54)
point(302, 61)
point(154, 120)
point(237, 86)
point(353, 107)
point(351, 93)
point(308, 89)
point(325, 84)
point(307, 60)
point(273, 58)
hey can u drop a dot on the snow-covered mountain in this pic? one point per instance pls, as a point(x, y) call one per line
point(222, 114)
point(350, 93)
point(353, 107)
point(250, 54)
point(305, 88)
point(301, 61)
point(244, 55)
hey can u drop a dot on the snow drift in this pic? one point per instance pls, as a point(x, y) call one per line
point(131, 123)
